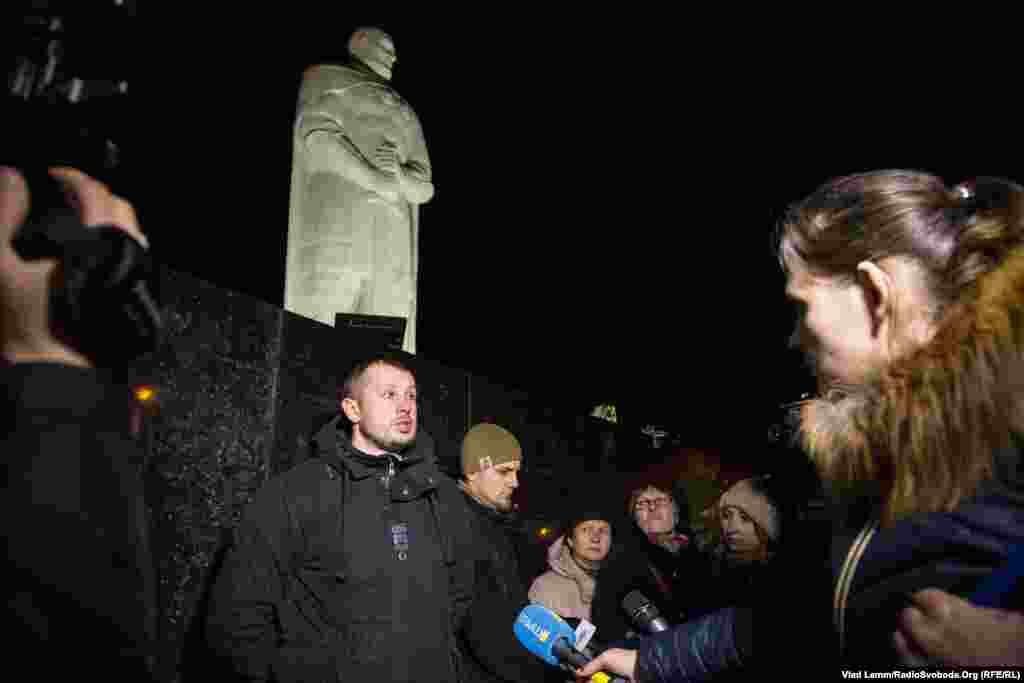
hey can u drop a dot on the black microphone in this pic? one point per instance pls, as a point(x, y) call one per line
point(643, 613)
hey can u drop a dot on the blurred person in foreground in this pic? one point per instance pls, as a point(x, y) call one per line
point(79, 587)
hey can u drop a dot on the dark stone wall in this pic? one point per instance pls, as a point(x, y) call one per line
point(210, 436)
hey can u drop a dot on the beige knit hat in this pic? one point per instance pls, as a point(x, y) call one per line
point(743, 496)
point(487, 445)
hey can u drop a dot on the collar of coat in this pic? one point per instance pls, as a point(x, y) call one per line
point(924, 435)
point(417, 465)
point(500, 517)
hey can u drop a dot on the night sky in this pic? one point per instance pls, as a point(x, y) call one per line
point(606, 185)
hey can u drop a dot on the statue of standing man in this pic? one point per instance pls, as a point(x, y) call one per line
point(360, 170)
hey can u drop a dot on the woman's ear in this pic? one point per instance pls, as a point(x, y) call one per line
point(876, 284)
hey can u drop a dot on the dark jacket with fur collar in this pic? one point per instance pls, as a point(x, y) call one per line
point(961, 395)
point(952, 550)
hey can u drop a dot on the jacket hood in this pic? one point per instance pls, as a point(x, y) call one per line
point(555, 552)
point(924, 435)
point(332, 444)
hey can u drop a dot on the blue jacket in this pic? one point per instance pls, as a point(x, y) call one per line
point(953, 551)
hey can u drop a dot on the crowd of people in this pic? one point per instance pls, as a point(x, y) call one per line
point(367, 562)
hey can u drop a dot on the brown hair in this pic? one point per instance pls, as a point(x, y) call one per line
point(956, 235)
point(357, 371)
point(923, 434)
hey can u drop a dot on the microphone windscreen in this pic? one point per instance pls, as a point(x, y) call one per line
point(538, 628)
point(634, 602)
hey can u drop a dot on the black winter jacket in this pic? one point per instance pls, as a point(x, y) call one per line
point(342, 572)
point(490, 651)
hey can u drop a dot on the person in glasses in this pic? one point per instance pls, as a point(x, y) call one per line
point(657, 558)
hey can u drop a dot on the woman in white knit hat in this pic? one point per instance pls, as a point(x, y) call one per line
point(749, 521)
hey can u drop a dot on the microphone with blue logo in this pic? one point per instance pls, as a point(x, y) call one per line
point(548, 636)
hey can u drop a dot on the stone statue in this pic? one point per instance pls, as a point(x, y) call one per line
point(360, 170)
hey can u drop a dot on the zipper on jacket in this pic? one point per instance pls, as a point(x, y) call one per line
point(389, 475)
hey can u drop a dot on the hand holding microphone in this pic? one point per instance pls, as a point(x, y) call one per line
point(618, 661)
point(548, 636)
point(647, 618)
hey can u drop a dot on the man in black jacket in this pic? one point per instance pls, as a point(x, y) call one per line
point(344, 567)
point(79, 585)
point(491, 460)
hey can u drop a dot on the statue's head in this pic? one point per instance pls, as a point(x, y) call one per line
point(375, 49)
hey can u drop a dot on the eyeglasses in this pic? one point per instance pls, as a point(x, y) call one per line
point(651, 503)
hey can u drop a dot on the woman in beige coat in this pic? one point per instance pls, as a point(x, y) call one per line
point(575, 558)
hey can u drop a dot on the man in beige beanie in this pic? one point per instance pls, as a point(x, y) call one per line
point(491, 460)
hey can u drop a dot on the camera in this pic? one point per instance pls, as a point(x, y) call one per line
point(65, 103)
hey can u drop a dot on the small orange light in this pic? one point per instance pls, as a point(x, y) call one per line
point(544, 532)
point(145, 394)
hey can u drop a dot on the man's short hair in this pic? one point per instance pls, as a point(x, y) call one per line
point(357, 371)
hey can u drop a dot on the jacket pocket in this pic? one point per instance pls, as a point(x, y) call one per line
point(315, 593)
point(311, 635)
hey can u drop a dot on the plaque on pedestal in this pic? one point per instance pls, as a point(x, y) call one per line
point(372, 331)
